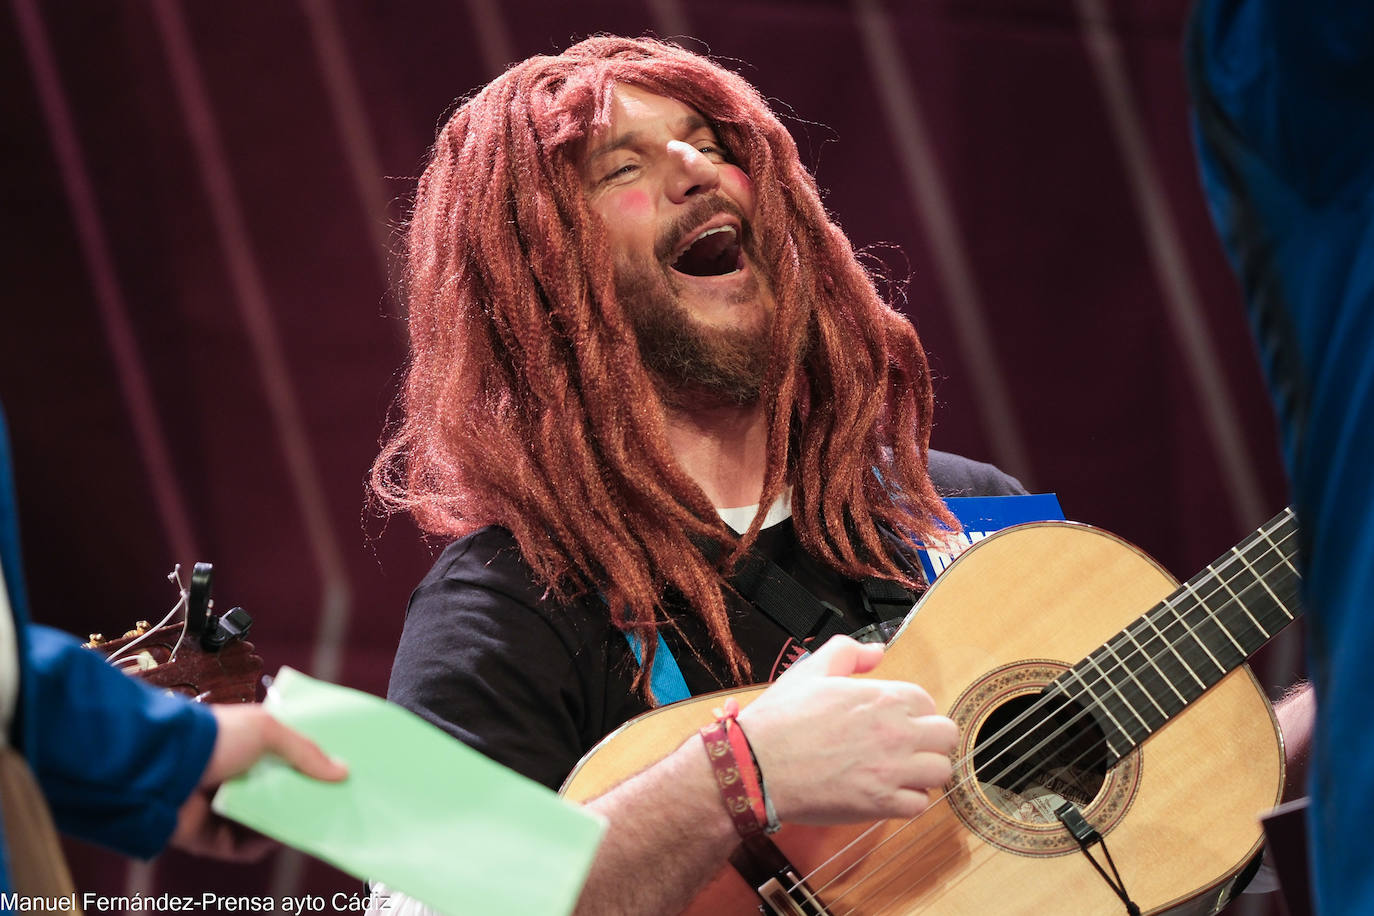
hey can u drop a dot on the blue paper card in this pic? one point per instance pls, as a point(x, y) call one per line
point(981, 516)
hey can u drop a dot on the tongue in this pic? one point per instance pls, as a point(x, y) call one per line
point(710, 256)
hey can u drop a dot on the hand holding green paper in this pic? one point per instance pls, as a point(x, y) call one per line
point(419, 811)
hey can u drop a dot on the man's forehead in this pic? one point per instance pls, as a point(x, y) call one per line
point(635, 112)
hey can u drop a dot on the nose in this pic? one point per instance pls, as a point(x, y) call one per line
point(692, 172)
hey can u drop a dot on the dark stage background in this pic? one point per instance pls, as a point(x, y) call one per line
point(199, 348)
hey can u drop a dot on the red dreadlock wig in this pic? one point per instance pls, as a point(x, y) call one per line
point(526, 403)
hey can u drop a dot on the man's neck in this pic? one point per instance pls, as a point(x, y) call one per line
point(724, 449)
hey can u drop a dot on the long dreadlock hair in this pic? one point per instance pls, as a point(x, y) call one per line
point(525, 402)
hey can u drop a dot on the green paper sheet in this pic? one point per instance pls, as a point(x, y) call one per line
point(420, 811)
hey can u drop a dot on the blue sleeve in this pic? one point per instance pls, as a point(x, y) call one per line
point(115, 758)
point(1284, 114)
point(1284, 96)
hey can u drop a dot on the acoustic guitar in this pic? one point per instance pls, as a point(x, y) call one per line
point(1115, 751)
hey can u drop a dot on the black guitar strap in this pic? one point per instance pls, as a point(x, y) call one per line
point(782, 598)
point(787, 602)
point(885, 599)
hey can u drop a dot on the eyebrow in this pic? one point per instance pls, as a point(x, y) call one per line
point(688, 124)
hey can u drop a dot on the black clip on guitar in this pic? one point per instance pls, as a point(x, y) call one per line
point(201, 624)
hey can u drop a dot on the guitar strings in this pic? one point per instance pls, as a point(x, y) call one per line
point(978, 858)
point(1229, 561)
point(1235, 599)
point(117, 659)
point(954, 826)
point(175, 577)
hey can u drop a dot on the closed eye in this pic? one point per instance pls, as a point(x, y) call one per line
point(713, 148)
point(626, 169)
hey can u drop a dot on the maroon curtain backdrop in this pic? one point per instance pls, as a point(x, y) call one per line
point(199, 347)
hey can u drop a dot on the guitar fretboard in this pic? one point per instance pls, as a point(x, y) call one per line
point(1156, 666)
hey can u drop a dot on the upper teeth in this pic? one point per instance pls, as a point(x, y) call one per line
point(730, 229)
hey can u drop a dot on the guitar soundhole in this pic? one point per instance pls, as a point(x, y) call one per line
point(1031, 757)
point(1021, 756)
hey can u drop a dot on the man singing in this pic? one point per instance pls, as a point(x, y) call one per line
point(639, 349)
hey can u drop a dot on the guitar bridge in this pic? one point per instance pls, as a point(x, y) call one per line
point(781, 889)
point(779, 900)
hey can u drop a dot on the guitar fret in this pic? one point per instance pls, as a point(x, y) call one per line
point(1235, 616)
point(1201, 643)
point(1122, 666)
point(1234, 597)
point(1211, 629)
point(1226, 632)
point(1176, 653)
point(1286, 517)
point(1154, 663)
point(1119, 693)
point(1261, 581)
point(1280, 581)
point(1097, 702)
point(1253, 578)
point(1286, 583)
point(1170, 662)
point(1199, 675)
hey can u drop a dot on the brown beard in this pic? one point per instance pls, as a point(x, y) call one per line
point(693, 364)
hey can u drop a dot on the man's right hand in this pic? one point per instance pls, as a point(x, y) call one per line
point(837, 749)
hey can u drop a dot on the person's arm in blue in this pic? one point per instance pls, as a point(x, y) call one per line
point(1284, 96)
point(114, 759)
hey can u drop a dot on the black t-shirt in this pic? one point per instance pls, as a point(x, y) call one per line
point(534, 683)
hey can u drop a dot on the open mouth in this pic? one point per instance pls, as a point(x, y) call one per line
point(714, 253)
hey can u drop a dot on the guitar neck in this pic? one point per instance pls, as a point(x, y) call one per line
point(1152, 669)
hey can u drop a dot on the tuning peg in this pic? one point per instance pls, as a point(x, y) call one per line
point(95, 640)
point(139, 629)
point(236, 623)
point(233, 625)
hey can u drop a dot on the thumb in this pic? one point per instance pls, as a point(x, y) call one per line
point(840, 657)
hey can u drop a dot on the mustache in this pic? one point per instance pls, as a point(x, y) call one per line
point(697, 213)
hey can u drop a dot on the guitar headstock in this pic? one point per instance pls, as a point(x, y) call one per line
point(204, 658)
